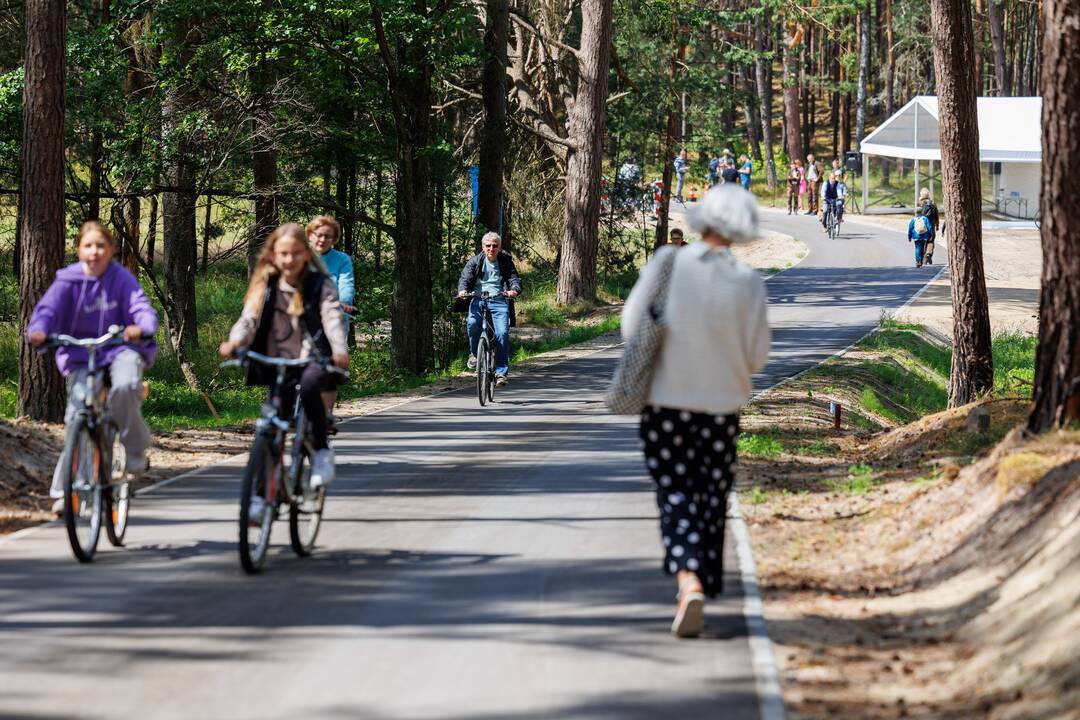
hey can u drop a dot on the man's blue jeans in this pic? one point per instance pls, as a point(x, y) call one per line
point(500, 313)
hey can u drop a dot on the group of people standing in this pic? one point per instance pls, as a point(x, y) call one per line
point(722, 170)
point(805, 184)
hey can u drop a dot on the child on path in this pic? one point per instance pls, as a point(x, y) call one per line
point(793, 188)
point(292, 310)
point(919, 231)
point(84, 300)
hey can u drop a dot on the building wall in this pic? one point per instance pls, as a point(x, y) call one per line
point(1016, 190)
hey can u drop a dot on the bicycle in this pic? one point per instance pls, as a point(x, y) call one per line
point(266, 468)
point(93, 462)
point(832, 222)
point(485, 350)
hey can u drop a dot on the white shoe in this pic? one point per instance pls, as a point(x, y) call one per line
point(58, 506)
point(322, 468)
point(471, 363)
point(256, 510)
point(137, 465)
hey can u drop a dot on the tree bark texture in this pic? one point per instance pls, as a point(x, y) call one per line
point(1057, 359)
point(493, 143)
point(577, 268)
point(752, 114)
point(42, 215)
point(411, 96)
point(864, 74)
point(972, 366)
point(764, 91)
point(995, 13)
point(263, 160)
point(178, 229)
point(791, 95)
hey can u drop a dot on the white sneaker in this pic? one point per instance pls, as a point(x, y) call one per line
point(58, 506)
point(256, 510)
point(136, 465)
point(322, 468)
point(471, 363)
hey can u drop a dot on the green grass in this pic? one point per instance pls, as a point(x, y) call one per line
point(917, 373)
point(859, 481)
point(757, 496)
point(759, 445)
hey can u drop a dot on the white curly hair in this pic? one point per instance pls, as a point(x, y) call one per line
point(728, 211)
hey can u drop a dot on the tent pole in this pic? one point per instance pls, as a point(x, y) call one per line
point(916, 182)
point(930, 178)
point(865, 183)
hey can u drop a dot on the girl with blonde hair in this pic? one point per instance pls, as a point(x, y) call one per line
point(291, 310)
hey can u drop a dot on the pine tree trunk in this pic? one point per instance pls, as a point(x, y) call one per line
point(577, 267)
point(752, 112)
point(864, 73)
point(263, 160)
point(995, 13)
point(791, 96)
point(764, 91)
point(1057, 360)
point(411, 332)
point(972, 365)
point(178, 231)
point(890, 84)
point(493, 144)
point(42, 215)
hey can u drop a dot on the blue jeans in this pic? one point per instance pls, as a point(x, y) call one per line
point(920, 248)
point(681, 177)
point(500, 313)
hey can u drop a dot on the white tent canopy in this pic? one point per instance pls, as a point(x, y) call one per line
point(1010, 130)
point(1010, 138)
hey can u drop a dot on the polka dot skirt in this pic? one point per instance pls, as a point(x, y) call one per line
point(690, 456)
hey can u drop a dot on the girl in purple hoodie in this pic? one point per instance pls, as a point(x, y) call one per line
point(84, 300)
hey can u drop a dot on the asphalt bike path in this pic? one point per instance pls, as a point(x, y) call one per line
point(473, 563)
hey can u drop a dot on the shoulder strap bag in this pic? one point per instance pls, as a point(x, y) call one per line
point(629, 389)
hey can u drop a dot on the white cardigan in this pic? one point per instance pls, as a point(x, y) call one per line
point(717, 331)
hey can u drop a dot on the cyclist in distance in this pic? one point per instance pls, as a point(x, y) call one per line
point(292, 310)
point(491, 271)
point(833, 192)
point(84, 300)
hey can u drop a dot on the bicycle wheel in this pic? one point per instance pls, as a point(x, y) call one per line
point(305, 512)
point(82, 491)
point(118, 495)
point(491, 375)
point(483, 370)
point(263, 470)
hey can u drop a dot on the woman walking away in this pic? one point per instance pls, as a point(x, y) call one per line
point(716, 336)
point(930, 212)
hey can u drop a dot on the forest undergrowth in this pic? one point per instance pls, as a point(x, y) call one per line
point(913, 566)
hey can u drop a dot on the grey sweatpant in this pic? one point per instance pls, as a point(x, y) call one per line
point(125, 405)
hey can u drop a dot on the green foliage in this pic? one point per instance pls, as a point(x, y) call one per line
point(860, 479)
point(760, 445)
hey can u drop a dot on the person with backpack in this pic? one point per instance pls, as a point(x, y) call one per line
point(920, 231)
point(930, 212)
point(714, 170)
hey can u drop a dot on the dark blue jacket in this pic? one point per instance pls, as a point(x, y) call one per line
point(510, 278)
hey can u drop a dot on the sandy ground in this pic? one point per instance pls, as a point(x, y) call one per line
point(771, 252)
point(1012, 260)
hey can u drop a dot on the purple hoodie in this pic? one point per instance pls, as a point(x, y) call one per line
point(83, 306)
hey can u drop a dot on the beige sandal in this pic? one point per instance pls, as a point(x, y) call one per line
point(690, 610)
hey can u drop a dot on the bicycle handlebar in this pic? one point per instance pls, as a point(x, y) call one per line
point(112, 337)
point(243, 355)
point(485, 296)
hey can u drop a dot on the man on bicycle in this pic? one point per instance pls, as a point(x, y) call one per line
point(491, 271)
point(833, 193)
